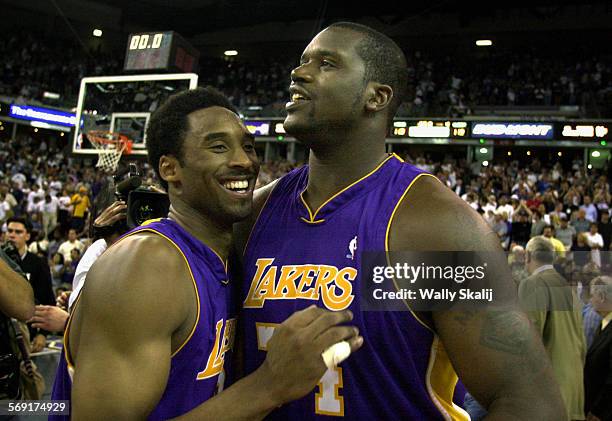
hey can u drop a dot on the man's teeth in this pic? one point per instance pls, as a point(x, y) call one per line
point(297, 97)
point(237, 185)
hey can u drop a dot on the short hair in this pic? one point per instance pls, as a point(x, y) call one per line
point(541, 249)
point(384, 62)
point(19, 220)
point(168, 124)
point(603, 286)
point(552, 228)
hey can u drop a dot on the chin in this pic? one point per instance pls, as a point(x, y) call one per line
point(239, 212)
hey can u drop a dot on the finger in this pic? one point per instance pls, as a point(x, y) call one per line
point(37, 319)
point(327, 320)
point(40, 326)
point(355, 342)
point(304, 317)
point(334, 335)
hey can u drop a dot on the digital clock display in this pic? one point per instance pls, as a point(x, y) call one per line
point(147, 51)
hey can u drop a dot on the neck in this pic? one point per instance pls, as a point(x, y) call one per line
point(22, 250)
point(335, 168)
point(215, 235)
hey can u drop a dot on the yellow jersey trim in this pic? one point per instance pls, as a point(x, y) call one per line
point(193, 281)
point(66, 330)
point(441, 381)
point(314, 215)
point(318, 221)
point(397, 205)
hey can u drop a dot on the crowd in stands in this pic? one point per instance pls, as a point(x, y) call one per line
point(440, 85)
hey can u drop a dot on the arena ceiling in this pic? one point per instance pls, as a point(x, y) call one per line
point(201, 16)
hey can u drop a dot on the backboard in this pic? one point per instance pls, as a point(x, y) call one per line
point(123, 104)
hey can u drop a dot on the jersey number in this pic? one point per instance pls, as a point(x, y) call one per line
point(327, 400)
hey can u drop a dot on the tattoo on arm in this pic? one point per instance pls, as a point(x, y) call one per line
point(506, 332)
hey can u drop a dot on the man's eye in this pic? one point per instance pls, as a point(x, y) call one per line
point(218, 148)
point(326, 63)
point(249, 147)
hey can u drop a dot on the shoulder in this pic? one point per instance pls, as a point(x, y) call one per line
point(138, 271)
point(432, 217)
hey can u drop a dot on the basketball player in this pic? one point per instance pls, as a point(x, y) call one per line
point(153, 326)
point(303, 245)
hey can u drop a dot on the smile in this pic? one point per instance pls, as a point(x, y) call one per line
point(240, 188)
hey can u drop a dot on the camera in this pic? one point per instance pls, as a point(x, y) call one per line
point(143, 203)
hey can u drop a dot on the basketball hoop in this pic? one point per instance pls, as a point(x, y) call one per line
point(109, 147)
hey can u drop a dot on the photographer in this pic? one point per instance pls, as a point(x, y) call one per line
point(36, 271)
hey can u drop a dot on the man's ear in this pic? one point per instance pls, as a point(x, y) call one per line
point(170, 169)
point(379, 96)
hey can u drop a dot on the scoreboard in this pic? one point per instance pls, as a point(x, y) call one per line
point(160, 51)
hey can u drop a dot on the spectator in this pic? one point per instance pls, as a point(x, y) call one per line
point(598, 365)
point(80, 202)
point(580, 223)
point(595, 242)
point(559, 247)
point(36, 270)
point(72, 243)
point(565, 232)
point(590, 209)
point(581, 251)
point(57, 269)
point(550, 306)
point(50, 209)
point(521, 227)
point(604, 227)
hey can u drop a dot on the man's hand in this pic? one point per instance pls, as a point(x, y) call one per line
point(39, 342)
point(115, 212)
point(49, 318)
point(294, 364)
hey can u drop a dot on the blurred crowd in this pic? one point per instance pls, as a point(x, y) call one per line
point(440, 85)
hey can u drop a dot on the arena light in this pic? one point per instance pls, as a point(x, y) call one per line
point(97, 32)
point(51, 95)
point(560, 153)
point(528, 153)
point(483, 150)
point(590, 166)
point(35, 130)
point(595, 154)
point(485, 163)
point(62, 134)
point(230, 53)
point(603, 143)
point(484, 42)
point(509, 153)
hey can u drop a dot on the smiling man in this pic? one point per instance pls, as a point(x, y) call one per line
point(151, 332)
point(306, 239)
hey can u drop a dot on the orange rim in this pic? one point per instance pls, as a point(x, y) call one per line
point(102, 137)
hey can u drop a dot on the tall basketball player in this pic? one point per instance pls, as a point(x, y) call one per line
point(304, 242)
point(151, 332)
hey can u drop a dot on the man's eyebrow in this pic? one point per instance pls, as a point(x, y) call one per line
point(215, 136)
point(320, 52)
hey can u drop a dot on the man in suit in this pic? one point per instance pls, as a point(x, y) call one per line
point(36, 271)
point(598, 366)
point(554, 310)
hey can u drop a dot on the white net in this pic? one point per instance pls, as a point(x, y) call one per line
point(109, 149)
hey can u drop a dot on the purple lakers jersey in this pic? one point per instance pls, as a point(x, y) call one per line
point(296, 257)
point(197, 370)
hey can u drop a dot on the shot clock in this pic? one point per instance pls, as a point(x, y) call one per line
point(165, 51)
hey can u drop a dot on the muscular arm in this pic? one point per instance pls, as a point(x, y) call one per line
point(16, 295)
point(496, 354)
point(135, 299)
